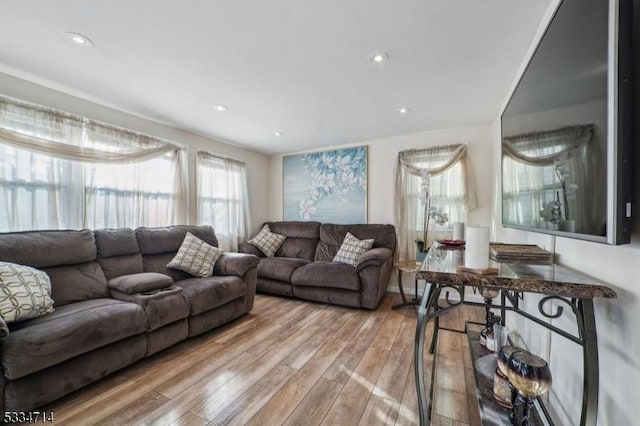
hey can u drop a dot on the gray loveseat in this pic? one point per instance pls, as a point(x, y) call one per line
point(115, 303)
point(303, 266)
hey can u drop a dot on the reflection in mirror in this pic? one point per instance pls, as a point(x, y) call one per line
point(551, 179)
point(563, 139)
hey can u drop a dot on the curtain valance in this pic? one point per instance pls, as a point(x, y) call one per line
point(206, 156)
point(413, 160)
point(59, 170)
point(434, 161)
point(70, 137)
point(563, 142)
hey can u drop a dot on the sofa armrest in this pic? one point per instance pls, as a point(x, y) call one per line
point(161, 305)
point(373, 257)
point(237, 264)
point(140, 283)
point(250, 249)
point(374, 268)
point(244, 266)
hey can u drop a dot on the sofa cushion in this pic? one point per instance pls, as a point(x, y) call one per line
point(326, 274)
point(268, 242)
point(301, 248)
point(158, 263)
point(118, 252)
point(279, 268)
point(162, 306)
point(126, 264)
point(71, 330)
point(332, 235)
point(42, 249)
point(25, 292)
point(302, 238)
point(75, 283)
point(116, 242)
point(205, 294)
point(68, 257)
point(351, 249)
point(169, 239)
point(140, 283)
point(195, 257)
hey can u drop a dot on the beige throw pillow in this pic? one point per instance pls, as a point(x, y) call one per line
point(268, 242)
point(195, 257)
point(351, 249)
point(25, 292)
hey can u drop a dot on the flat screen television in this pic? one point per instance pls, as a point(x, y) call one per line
point(566, 129)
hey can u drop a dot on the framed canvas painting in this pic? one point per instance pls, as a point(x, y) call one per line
point(327, 186)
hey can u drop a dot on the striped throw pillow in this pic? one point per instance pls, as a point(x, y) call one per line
point(268, 242)
point(351, 249)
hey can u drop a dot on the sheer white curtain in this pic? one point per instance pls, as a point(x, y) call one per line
point(59, 170)
point(38, 191)
point(223, 200)
point(553, 166)
point(439, 177)
point(133, 194)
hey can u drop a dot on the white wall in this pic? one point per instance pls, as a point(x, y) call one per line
point(381, 167)
point(257, 164)
point(382, 157)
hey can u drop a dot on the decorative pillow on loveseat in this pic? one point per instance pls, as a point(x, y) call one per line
point(268, 242)
point(195, 257)
point(25, 292)
point(351, 249)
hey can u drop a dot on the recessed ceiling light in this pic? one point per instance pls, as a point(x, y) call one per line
point(403, 110)
point(220, 108)
point(277, 134)
point(379, 57)
point(79, 39)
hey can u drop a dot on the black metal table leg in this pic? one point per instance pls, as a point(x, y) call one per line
point(406, 302)
point(418, 355)
point(436, 323)
point(590, 363)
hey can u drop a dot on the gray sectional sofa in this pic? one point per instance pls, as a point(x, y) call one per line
point(115, 303)
point(303, 265)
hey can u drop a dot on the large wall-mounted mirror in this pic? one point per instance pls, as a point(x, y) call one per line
point(566, 128)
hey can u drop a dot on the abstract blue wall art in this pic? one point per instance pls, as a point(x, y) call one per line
point(328, 186)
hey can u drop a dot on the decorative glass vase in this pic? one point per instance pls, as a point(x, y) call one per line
point(531, 376)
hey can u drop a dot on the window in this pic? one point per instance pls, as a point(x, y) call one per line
point(545, 179)
point(130, 195)
point(447, 194)
point(60, 171)
point(38, 192)
point(434, 178)
point(223, 198)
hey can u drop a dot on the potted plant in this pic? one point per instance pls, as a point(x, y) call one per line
point(440, 217)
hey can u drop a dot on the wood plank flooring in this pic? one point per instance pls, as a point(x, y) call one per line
point(288, 362)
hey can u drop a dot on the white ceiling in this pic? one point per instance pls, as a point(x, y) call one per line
point(300, 67)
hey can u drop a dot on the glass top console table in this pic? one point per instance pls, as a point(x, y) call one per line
point(569, 290)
